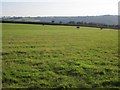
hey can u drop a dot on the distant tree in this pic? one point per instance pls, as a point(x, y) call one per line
point(71, 22)
point(85, 23)
point(60, 22)
point(79, 23)
point(53, 21)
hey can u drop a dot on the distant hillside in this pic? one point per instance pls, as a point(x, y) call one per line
point(105, 19)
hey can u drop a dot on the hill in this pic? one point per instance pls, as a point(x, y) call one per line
point(104, 19)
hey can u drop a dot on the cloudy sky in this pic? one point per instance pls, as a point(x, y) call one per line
point(59, 7)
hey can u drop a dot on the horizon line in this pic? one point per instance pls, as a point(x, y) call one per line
point(59, 15)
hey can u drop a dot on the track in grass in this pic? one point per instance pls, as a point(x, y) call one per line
point(59, 57)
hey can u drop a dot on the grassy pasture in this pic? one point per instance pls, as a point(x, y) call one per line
point(36, 56)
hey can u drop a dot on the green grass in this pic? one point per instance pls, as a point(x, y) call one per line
point(36, 56)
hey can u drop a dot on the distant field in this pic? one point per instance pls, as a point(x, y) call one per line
point(36, 56)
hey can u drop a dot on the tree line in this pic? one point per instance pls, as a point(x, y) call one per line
point(71, 23)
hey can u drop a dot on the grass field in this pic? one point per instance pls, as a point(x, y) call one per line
point(36, 56)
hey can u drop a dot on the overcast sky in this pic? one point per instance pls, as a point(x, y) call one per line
point(59, 7)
